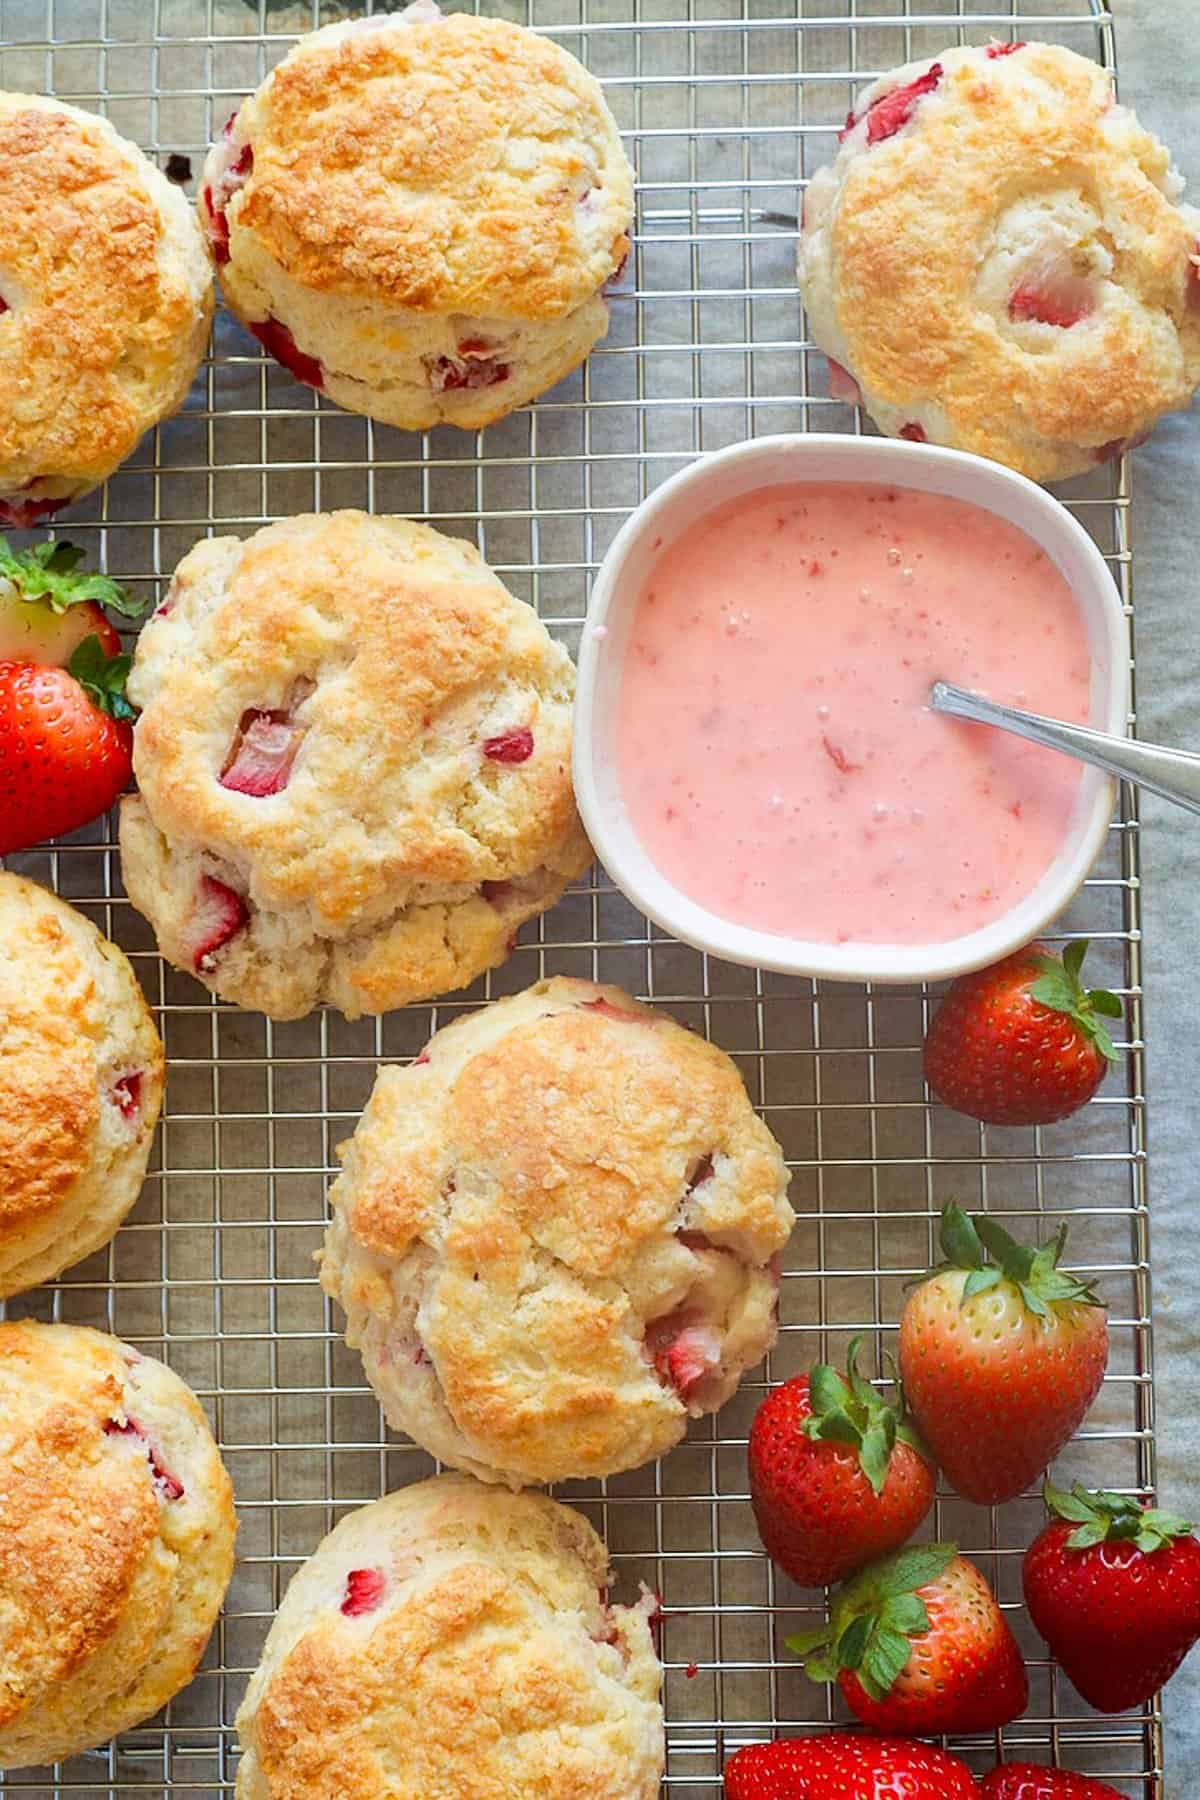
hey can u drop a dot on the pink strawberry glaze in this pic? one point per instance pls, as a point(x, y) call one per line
point(515, 746)
point(278, 342)
point(167, 1484)
point(364, 1591)
point(127, 1094)
point(261, 756)
point(773, 742)
point(220, 914)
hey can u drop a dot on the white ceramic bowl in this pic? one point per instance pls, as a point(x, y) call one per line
point(765, 462)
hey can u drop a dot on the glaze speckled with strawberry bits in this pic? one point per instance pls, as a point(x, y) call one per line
point(776, 752)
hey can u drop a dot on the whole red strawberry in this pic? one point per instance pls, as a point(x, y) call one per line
point(1115, 1591)
point(840, 1765)
point(1000, 1359)
point(837, 1476)
point(1030, 1781)
point(918, 1646)
point(66, 744)
point(1021, 1043)
point(65, 734)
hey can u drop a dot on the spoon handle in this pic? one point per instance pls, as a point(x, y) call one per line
point(1173, 774)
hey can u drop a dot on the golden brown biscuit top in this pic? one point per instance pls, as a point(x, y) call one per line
point(77, 1512)
point(49, 1099)
point(576, 1131)
point(93, 304)
point(492, 1668)
point(465, 165)
point(1011, 163)
point(397, 652)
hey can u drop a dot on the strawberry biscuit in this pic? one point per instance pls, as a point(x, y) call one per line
point(416, 214)
point(81, 1080)
point(106, 295)
point(450, 1641)
point(116, 1539)
point(555, 1236)
point(999, 260)
point(354, 760)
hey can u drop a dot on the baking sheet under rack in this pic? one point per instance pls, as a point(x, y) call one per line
point(726, 106)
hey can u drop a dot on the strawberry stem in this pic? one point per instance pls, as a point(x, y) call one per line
point(48, 573)
point(990, 1255)
point(850, 1411)
point(1059, 986)
point(875, 1618)
point(102, 678)
point(1105, 1518)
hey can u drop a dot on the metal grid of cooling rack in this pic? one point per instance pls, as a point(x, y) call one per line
point(725, 105)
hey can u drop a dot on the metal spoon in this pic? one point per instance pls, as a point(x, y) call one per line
point(1174, 774)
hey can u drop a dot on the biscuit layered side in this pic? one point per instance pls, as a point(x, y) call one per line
point(81, 1080)
point(999, 259)
point(554, 1236)
point(454, 1640)
point(417, 214)
point(116, 1539)
point(354, 763)
point(106, 297)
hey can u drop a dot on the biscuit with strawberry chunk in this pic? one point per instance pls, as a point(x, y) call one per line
point(555, 1236)
point(81, 1081)
point(106, 296)
point(354, 758)
point(417, 214)
point(116, 1539)
point(452, 1641)
point(998, 261)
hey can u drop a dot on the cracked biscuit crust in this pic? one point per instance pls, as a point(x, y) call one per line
point(116, 1539)
point(81, 1079)
point(105, 299)
point(1002, 265)
point(554, 1236)
point(449, 1641)
point(355, 752)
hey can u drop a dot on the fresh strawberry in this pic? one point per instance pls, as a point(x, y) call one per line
point(1021, 1043)
point(837, 1475)
point(1114, 1588)
point(48, 606)
point(1000, 1360)
point(66, 744)
point(1033, 1781)
point(918, 1645)
point(845, 1767)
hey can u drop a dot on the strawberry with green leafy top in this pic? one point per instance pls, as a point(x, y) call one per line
point(66, 736)
point(49, 606)
point(838, 1476)
point(1023, 1042)
point(1001, 1355)
point(918, 1646)
point(1114, 1588)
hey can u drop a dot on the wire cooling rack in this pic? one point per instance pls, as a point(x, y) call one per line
point(726, 106)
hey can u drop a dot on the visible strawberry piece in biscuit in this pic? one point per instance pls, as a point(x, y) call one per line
point(261, 758)
point(220, 914)
point(514, 746)
point(364, 1590)
point(278, 342)
point(887, 115)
